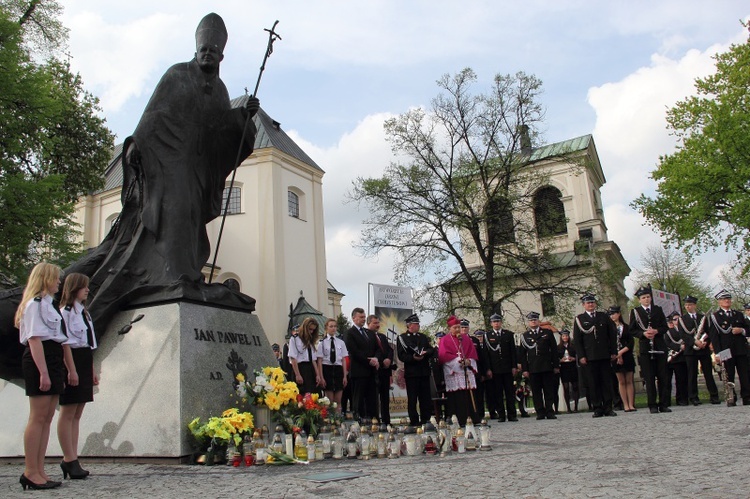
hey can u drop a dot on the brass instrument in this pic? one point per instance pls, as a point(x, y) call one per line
point(673, 353)
point(729, 394)
point(700, 333)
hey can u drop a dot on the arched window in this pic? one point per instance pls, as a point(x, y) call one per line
point(235, 200)
point(549, 212)
point(500, 225)
point(293, 202)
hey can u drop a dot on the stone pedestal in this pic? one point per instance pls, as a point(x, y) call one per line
point(176, 364)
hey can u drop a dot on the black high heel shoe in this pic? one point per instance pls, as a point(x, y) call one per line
point(74, 470)
point(26, 483)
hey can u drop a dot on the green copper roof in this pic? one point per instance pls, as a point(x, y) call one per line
point(560, 148)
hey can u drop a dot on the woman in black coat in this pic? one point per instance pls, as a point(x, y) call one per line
point(568, 369)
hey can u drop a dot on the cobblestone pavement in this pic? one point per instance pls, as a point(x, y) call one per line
point(694, 451)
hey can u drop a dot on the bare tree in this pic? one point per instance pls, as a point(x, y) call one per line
point(459, 210)
point(733, 280)
point(670, 270)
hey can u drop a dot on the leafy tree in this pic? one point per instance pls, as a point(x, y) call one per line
point(703, 191)
point(670, 270)
point(457, 208)
point(53, 144)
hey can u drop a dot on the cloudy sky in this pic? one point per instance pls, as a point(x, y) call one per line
point(610, 69)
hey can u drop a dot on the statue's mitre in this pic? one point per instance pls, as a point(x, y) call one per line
point(211, 31)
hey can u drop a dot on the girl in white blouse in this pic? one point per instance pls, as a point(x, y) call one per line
point(40, 328)
point(331, 363)
point(82, 342)
point(303, 353)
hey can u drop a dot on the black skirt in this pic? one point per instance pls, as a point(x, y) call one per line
point(334, 376)
point(628, 364)
point(568, 372)
point(53, 356)
point(83, 359)
point(307, 371)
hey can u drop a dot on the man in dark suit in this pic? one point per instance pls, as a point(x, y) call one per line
point(540, 363)
point(649, 325)
point(362, 347)
point(595, 339)
point(729, 331)
point(697, 350)
point(676, 363)
point(415, 351)
point(502, 362)
point(385, 357)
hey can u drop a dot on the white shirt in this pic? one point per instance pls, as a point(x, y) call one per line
point(41, 320)
point(298, 351)
point(324, 351)
point(76, 327)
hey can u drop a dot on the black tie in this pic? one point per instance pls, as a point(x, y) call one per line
point(89, 332)
point(333, 351)
point(362, 330)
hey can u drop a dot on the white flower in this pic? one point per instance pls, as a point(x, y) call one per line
point(269, 388)
point(258, 389)
point(324, 401)
point(242, 391)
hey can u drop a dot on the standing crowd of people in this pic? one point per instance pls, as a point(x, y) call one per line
point(468, 375)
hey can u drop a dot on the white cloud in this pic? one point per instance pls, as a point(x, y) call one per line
point(631, 134)
point(362, 152)
point(118, 60)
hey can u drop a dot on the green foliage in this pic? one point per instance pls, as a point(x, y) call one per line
point(342, 325)
point(53, 144)
point(457, 208)
point(36, 225)
point(703, 191)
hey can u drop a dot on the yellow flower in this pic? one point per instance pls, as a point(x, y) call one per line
point(240, 377)
point(272, 401)
point(229, 412)
point(314, 397)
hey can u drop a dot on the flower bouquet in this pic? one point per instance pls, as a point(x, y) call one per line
point(230, 427)
point(310, 412)
point(270, 389)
